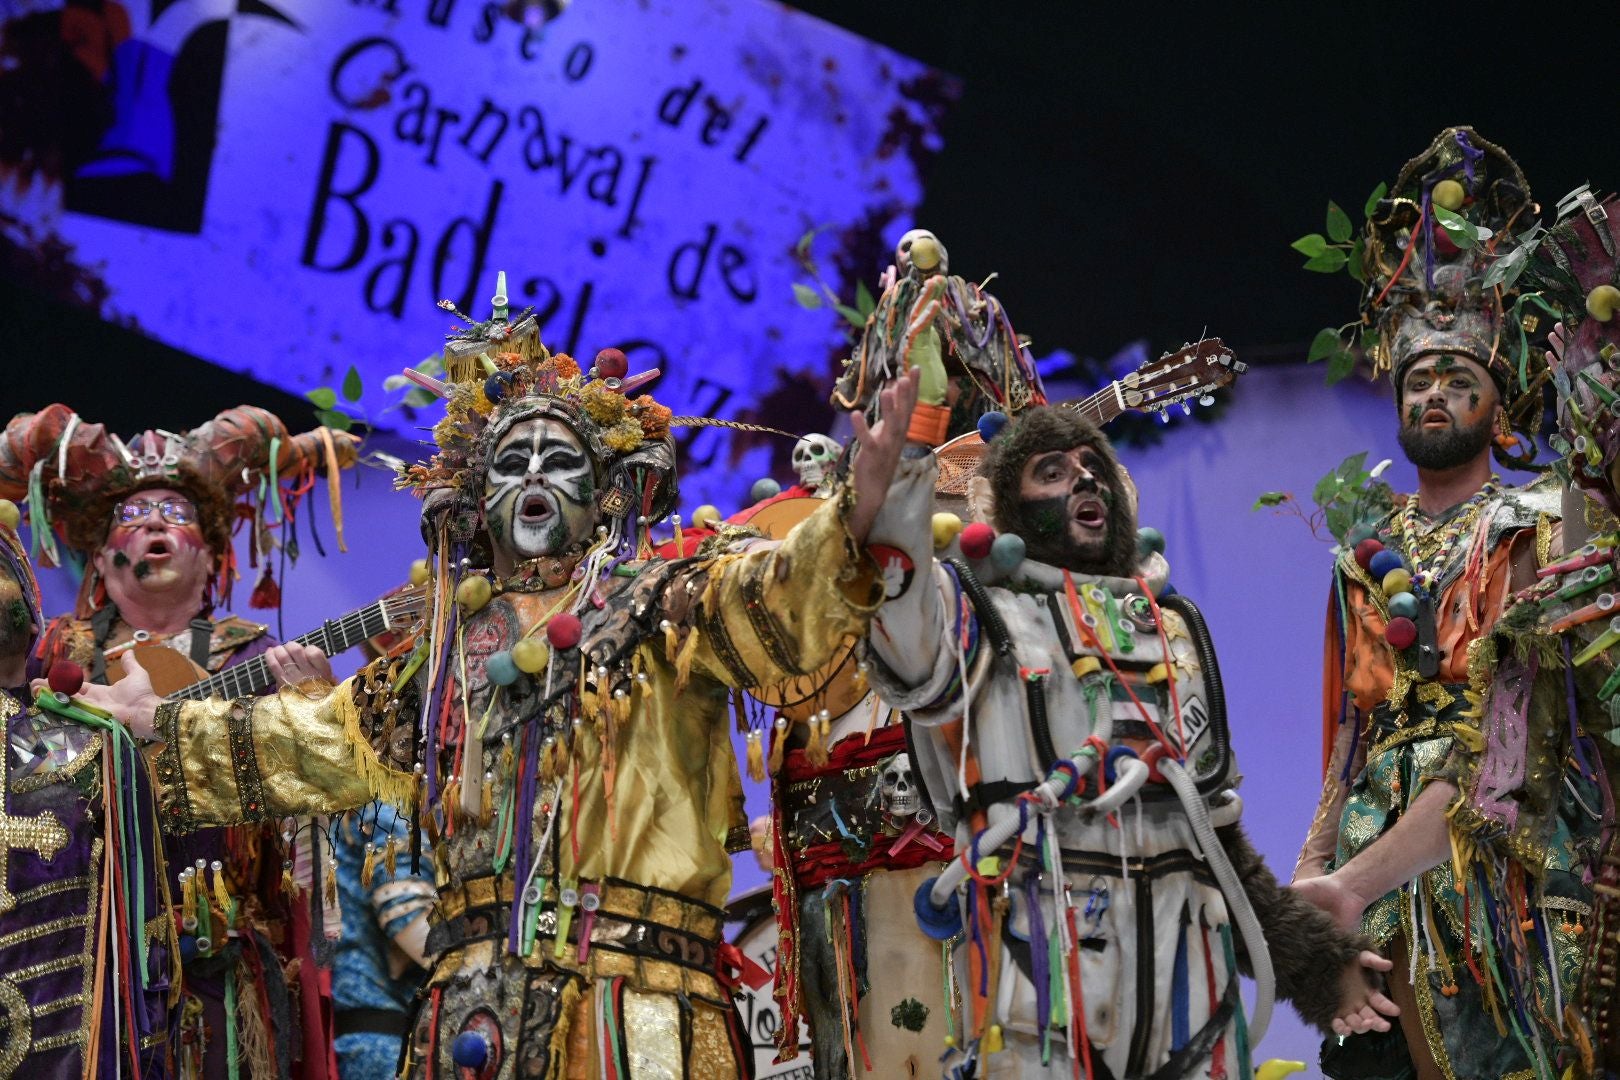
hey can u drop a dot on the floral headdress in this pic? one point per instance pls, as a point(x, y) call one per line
point(1429, 249)
point(498, 373)
point(242, 464)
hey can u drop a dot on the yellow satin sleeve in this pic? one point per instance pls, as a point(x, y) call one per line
point(226, 762)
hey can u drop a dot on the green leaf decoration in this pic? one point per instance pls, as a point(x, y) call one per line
point(1310, 246)
point(802, 248)
point(1464, 234)
point(418, 398)
point(1330, 261)
point(1374, 199)
point(352, 388)
point(807, 297)
point(863, 300)
point(332, 419)
point(1338, 224)
point(851, 316)
point(1270, 498)
point(1324, 344)
point(1340, 365)
point(323, 397)
point(1355, 266)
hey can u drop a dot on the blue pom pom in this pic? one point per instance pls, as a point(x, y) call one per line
point(1382, 563)
point(188, 947)
point(470, 1050)
point(496, 385)
point(1169, 590)
point(990, 425)
point(938, 923)
point(1403, 606)
point(1114, 754)
point(501, 668)
point(764, 488)
point(1007, 552)
point(1149, 539)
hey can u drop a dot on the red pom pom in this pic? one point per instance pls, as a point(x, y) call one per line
point(1400, 632)
point(976, 540)
point(563, 630)
point(65, 677)
point(1366, 550)
point(612, 364)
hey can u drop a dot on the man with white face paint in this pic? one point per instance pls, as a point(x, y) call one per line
point(564, 729)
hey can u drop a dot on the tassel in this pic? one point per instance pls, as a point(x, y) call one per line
point(330, 893)
point(266, 594)
point(671, 641)
point(391, 858)
point(756, 757)
point(486, 803)
point(221, 896)
point(368, 867)
point(683, 660)
point(820, 729)
point(779, 744)
point(289, 884)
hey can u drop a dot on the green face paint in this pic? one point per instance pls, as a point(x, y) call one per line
point(1473, 400)
point(1413, 413)
point(1444, 364)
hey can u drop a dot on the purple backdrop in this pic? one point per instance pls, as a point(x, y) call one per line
point(1261, 580)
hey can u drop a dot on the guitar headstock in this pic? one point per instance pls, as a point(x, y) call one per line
point(1177, 378)
point(405, 605)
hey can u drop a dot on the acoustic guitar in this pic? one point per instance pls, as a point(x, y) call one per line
point(1190, 373)
point(176, 678)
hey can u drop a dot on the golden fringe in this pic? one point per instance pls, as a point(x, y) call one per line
point(778, 748)
point(368, 867)
point(756, 758)
point(389, 785)
point(683, 661)
point(566, 1007)
point(253, 1042)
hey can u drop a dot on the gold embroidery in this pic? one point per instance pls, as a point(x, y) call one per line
point(39, 930)
point(59, 1004)
point(49, 967)
point(51, 888)
point(1434, 695)
point(1544, 539)
point(14, 1026)
point(41, 833)
point(652, 1032)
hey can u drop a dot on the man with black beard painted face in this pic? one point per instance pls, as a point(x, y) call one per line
point(1045, 698)
point(1413, 592)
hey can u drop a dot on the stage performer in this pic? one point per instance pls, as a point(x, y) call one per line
point(573, 758)
point(1067, 725)
point(851, 837)
point(151, 521)
point(1540, 755)
point(1423, 584)
point(88, 952)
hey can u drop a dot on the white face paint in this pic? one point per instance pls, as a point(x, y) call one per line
point(539, 491)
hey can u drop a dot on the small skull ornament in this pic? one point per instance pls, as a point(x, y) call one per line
point(813, 458)
point(898, 788)
point(920, 250)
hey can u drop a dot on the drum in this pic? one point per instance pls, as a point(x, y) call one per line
point(753, 926)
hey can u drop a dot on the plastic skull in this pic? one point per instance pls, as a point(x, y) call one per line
point(921, 249)
point(898, 788)
point(813, 458)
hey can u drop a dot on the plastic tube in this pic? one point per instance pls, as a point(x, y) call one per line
point(1237, 901)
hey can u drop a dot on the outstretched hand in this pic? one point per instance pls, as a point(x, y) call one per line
point(881, 444)
point(1362, 1006)
point(131, 700)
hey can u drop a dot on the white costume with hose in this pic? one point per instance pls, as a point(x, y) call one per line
point(1149, 913)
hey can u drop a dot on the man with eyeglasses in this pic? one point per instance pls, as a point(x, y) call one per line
point(151, 521)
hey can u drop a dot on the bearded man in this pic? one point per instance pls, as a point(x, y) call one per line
point(153, 520)
point(1042, 695)
point(563, 730)
point(1423, 584)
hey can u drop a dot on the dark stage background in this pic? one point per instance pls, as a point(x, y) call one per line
point(1136, 174)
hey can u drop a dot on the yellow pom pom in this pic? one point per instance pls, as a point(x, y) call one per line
point(420, 572)
point(1398, 580)
point(1602, 302)
point(10, 516)
point(473, 593)
point(1448, 194)
point(993, 1043)
point(706, 517)
point(530, 655)
point(946, 527)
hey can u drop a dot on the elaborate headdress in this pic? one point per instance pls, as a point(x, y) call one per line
point(72, 475)
point(497, 374)
point(1577, 268)
point(1429, 246)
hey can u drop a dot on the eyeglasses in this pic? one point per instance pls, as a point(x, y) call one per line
point(132, 512)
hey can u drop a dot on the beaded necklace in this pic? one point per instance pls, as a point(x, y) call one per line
point(1431, 550)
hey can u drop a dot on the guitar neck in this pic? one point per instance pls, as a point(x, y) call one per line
point(253, 676)
point(1100, 407)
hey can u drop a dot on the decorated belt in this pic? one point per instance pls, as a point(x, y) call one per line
point(861, 811)
point(1429, 711)
point(1103, 864)
point(636, 920)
